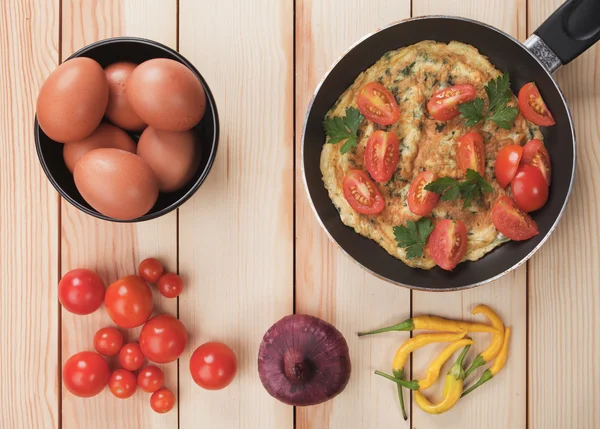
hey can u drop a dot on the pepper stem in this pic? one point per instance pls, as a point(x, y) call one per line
point(412, 385)
point(457, 370)
point(487, 375)
point(479, 361)
point(407, 325)
point(400, 376)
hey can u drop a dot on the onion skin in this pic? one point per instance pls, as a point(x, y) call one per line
point(303, 360)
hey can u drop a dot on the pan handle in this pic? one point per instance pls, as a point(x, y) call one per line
point(567, 33)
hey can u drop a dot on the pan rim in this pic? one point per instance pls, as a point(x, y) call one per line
point(413, 286)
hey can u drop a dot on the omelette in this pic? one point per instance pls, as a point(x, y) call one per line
point(412, 74)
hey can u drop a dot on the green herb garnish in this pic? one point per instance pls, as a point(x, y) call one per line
point(499, 93)
point(413, 236)
point(346, 128)
point(408, 69)
point(473, 187)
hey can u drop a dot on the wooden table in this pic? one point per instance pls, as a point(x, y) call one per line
point(248, 245)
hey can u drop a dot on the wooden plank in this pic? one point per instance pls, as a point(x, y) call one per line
point(28, 222)
point(115, 250)
point(328, 283)
point(564, 322)
point(501, 403)
point(236, 233)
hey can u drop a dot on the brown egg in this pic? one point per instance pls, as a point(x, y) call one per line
point(166, 95)
point(106, 135)
point(119, 111)
point(72, 100)
point(172, 156)
point(117, 183)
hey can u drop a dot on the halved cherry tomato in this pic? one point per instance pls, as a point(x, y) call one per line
point(512, 222)
point(361, 193)
point(108, 341)
point(381, 155)
point(443, 105)
point(420, 201)
point(448, 243)
point(378, 104)
point(530, 189)
point(162, 401)
point(471, 153)
point(507, 163)
point(535, 153)
point(122, 383)
point(532, 106)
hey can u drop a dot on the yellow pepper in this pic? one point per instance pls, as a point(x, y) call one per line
point(434, 323)
point(433, 372)
point(498, 364)
point(490, 353)
point(452, 389)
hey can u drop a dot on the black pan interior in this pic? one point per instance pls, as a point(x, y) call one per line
point(507, 55)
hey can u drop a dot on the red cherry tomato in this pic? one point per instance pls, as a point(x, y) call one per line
point(443, 104)
point(507, 163)
point(530, 189)
point(213, 365)
point(170, 285)
point(122, 383)
point(448, 243)
point(129, 301)
point(381, 155)
point(162, 401)
point(163, 338)
point(150, 270)
point(420, 201)
point(362, 194)
point(532, 106)
point(85, 374)
point(471, 153)
point(535, 153)
point(81, 291)
point(512, 222)
point(150, 379)
point(108, 341)
point(131, 357)
point(378, 104)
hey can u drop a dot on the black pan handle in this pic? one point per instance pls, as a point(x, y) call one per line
point(571, 30)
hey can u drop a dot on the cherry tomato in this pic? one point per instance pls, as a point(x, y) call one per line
point(535, 153)
point(122, 383)
point(170, 285)
point(213, 365)
point(448, 243)
point(443, 105)
point(512, 222)
point(471, 153)
point(151, 378)
point(378, 104)
point(530, 189)
point(381, 155)
point(81, 291)
point(420, 201)
point(163, 338)
point(108, 341)
point(532, 106)
point(507, 163)
point(85, 374)
point(131, 357)
point(362, 194)
point(150, 270)
point(129, 301)
point(162, 401)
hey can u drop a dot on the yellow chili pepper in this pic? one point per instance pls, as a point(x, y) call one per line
point(452, 389)
point(494, 347)
point(495, 368)
point(433, 372)
point(434, 323)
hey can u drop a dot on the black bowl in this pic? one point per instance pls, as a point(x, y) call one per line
point(135, 50)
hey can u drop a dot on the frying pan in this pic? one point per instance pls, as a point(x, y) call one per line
point(572, 29)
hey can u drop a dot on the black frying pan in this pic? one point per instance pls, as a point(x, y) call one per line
point(572, 29)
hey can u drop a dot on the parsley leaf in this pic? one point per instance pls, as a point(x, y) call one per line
point(504, 116)
point(472, 111)
point(473, 187)
point(413, 236)
point(346, 128)
point(498, 92)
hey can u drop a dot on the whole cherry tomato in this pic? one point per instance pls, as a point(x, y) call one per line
point(129, 301)
point(530, 189)
point(162, 401)
point(150, 270)
point(85, 374)
point(163, 338)
point(170, 285)
point(131, 357)
point(108, 341)
point(81, 291)
point(151, 378)
point(213, 365)
point(122, 383)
